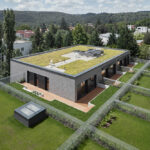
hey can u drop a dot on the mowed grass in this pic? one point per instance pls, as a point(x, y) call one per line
point(139, 65)
point(137, 99)
point(143, 81)
point(90, 145)
point(98, 101)
point(74, 67)
point(126, 76)
point(49, 134)
point(130, 129)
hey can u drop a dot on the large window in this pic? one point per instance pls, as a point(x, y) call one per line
point(38, 80)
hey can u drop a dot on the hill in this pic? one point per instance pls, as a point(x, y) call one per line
point(36, 18)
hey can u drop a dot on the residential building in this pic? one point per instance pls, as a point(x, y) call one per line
point(24, 46)
point(70, 72)
point(105, 37)
point(24, 34)
point(131, 27)
point(141, 29)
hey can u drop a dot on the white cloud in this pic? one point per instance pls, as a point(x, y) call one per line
point(80, 6)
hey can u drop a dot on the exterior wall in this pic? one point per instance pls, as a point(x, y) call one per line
point(27, 45)
point(58, 84)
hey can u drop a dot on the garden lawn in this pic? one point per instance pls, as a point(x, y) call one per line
point(139, 65)
point(143, 81)
point(126, 77)
point(130, 129)
point(90, 145)
point(137, 99)
point(98, 101)
point(49, 134)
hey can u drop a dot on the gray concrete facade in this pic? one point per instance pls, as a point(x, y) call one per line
point(62, 84)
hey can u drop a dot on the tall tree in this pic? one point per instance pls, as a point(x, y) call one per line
point(79, 35)
point(49, 40)
point(63, 24)
point(37, 41)
point(127, 41)
point(95, 40)
point(147, 38)
point(58, 39)
point(9, 34)
point(53, 29)
point(67, 39)
point(112, 41)
point(1, 35)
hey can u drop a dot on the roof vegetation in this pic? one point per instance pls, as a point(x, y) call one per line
point(75, 67)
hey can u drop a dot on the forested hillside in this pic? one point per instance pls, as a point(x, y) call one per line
point(36, 18)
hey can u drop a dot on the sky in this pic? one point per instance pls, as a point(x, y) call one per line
point(77, 6)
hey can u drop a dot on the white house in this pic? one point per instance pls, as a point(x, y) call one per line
point(131, 27)
point(24, 46)
point(141, 29)
point(105, 37)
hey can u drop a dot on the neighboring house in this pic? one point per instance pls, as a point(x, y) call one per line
point(105, 37)
point(90, 25)
point(24, 46)
point(72, 76)
point(141, 29)
point(131, 27)
point(71, 28)
point(24, 34)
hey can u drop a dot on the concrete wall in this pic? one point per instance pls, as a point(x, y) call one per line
point(58, 84)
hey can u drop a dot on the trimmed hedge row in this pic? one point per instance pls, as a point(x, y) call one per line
point(58, 115)
point(76, 138)
point(109, 141)
point(133, 110)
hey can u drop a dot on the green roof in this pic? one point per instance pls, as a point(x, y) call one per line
point(75, 67)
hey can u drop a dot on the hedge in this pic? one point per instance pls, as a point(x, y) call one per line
point(133, 110)
point(109, 141)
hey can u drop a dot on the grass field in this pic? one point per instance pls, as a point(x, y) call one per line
point(126, 77)
point(90, 145)
point(139, 65)
point(130, 129)
point(137, 99)
point(98, 101)
point(143, 81)
point(49, 134)
point(71, 68)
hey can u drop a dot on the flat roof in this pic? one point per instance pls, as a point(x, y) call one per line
point(60, 61)
point(29, 110)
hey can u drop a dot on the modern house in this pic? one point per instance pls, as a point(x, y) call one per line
point(24, 46)
point(105, 37)
point(70, 72)
point(141, 29)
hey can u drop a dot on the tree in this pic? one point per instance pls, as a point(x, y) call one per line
point(53, 29)
point(23, 27)
point(63, 24)
point(67, 39)
point(37, 41)
point(58, 39)
point(79, 35)
point(127, 41)
point(1, 35)
point(9, 34)
point(98, 23)
point(147, 38)
point(49, 40)
point(95, 40)
point(145, 51)
point(112, 39)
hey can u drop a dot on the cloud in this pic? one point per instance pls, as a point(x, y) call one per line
point(80, 6)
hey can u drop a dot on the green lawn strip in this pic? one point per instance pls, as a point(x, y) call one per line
point(90, 145)
point(130, 129)
point(98, 101)
point(49, 134)
point(126, 77)
point(139, 65)
point(137, 99)
point(143, 81)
